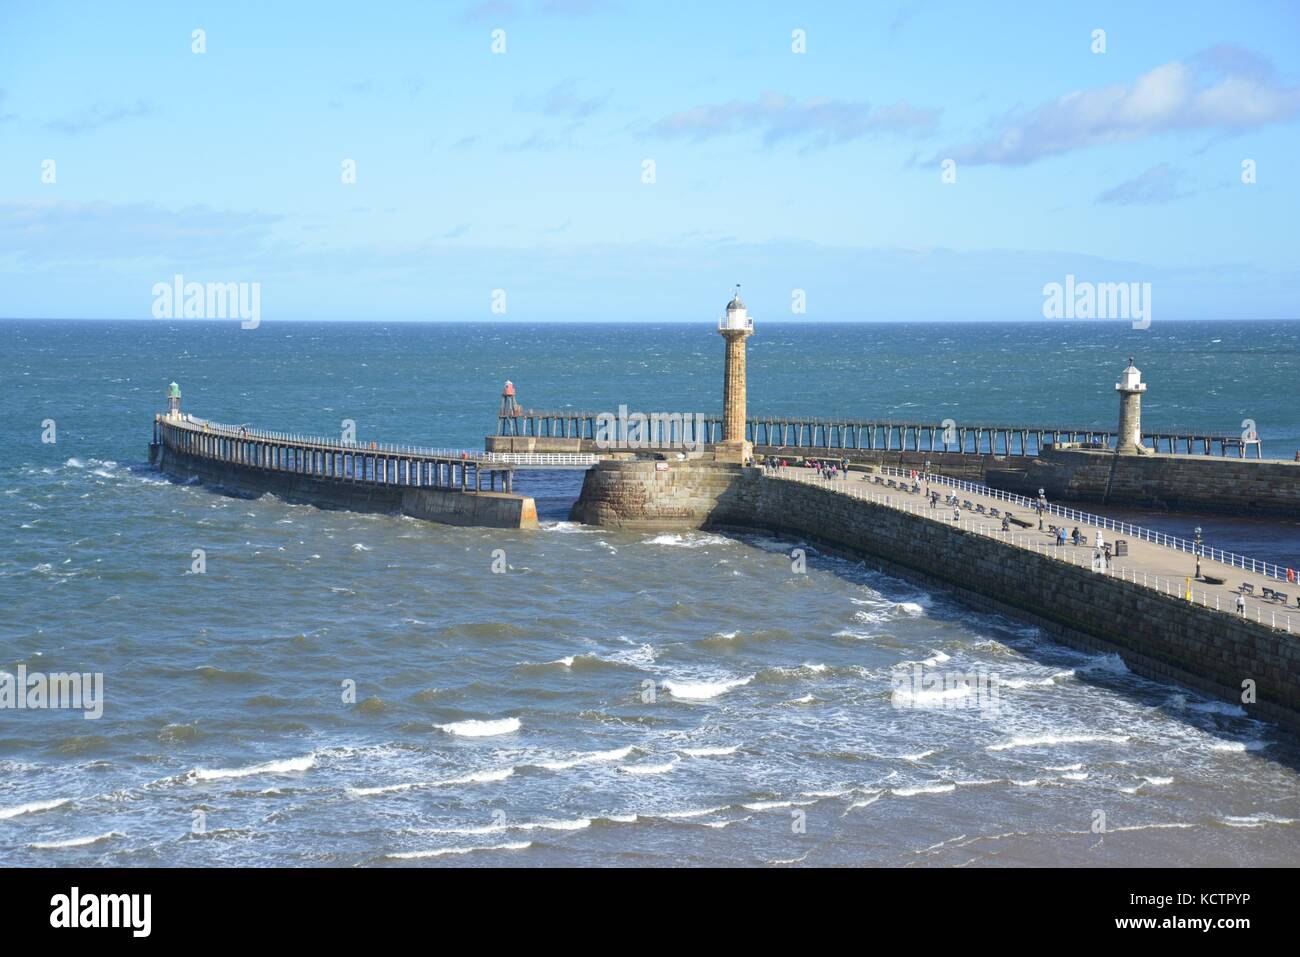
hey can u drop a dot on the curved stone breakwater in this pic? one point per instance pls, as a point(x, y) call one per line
point(1148, 620)
point(339, 475)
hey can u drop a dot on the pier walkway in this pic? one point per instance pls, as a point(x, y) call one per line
point(371, 463)
point(1163, 563)
point(791, 433)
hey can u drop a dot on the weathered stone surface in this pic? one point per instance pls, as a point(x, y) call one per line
point(1182, 482)
point(1156, 635)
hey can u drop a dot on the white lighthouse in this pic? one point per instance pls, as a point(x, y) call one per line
point(1130, 388)
point(736, 325)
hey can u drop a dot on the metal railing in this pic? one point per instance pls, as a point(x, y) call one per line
point(1244, 562)
point(316, 441)
point(1164, 584)
point(542, 458)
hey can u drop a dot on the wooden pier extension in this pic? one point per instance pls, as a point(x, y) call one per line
point(463, 489)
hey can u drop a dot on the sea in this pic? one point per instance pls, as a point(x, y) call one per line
point(284, 685)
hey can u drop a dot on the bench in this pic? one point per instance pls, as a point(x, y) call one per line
point(1121, 547)
point(966, 504)
point(993, 510)
point(980, 508)
point(1247, 588)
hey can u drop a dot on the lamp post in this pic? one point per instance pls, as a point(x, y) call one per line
point(1196, 549)
point(1042, 507)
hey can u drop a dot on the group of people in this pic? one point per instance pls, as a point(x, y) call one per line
point(826, 468)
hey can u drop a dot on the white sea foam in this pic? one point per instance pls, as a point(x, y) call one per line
point(919, 756)
point(1251, 745)
point(709, 752)
point(703, 690)
point(649, 768)
point(33, 808)
point(688, 540)
point(773, 805)
point(1035, 741)
point(689, 813)
point(1112, 663)
point(481, 729)
point(1158, 782)
point(74, 841)
point(478, 777)
point(945, 788)
point(358, 547)
point(1257, 820)
point(1064, 767)
point(1017, 683)
point(444, 851)
point(865, 802)
point(1219, 707)
point(287, 766)
point(594, 757)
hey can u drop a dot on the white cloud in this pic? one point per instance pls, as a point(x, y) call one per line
point(1223, 90)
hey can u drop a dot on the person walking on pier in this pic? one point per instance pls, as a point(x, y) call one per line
point(1006, 524)
point(1241, 604)
point(1060, 537)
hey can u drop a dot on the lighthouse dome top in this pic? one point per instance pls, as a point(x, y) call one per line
point(736, 318)
point(1130, 380)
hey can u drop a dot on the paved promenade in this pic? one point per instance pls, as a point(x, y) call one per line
point(1162, 568)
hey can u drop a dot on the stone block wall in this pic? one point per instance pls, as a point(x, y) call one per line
point(1156, 635)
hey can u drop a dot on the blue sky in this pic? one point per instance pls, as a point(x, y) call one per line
point(523, 171)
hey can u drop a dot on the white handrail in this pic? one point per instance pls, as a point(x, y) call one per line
point(1163, 584)
point(1257, 566)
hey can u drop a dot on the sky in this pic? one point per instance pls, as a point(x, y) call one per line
point(539, 160)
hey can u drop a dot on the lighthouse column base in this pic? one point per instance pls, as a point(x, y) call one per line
point(735, 453)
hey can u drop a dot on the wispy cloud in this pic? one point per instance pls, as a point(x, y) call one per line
point(819, 121)
point(98, 115)
point(1222, 90)
point(563, 100)
point(1159, 184)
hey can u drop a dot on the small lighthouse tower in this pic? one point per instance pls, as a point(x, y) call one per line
point(173, 401)
point(508, 416)
point(1130, 388)
point(509, 405)
point(736, 326)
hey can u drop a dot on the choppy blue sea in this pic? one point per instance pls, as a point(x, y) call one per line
point(505, 718)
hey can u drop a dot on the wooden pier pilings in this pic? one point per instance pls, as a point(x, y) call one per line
point(457, 489)
point(867, 435)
